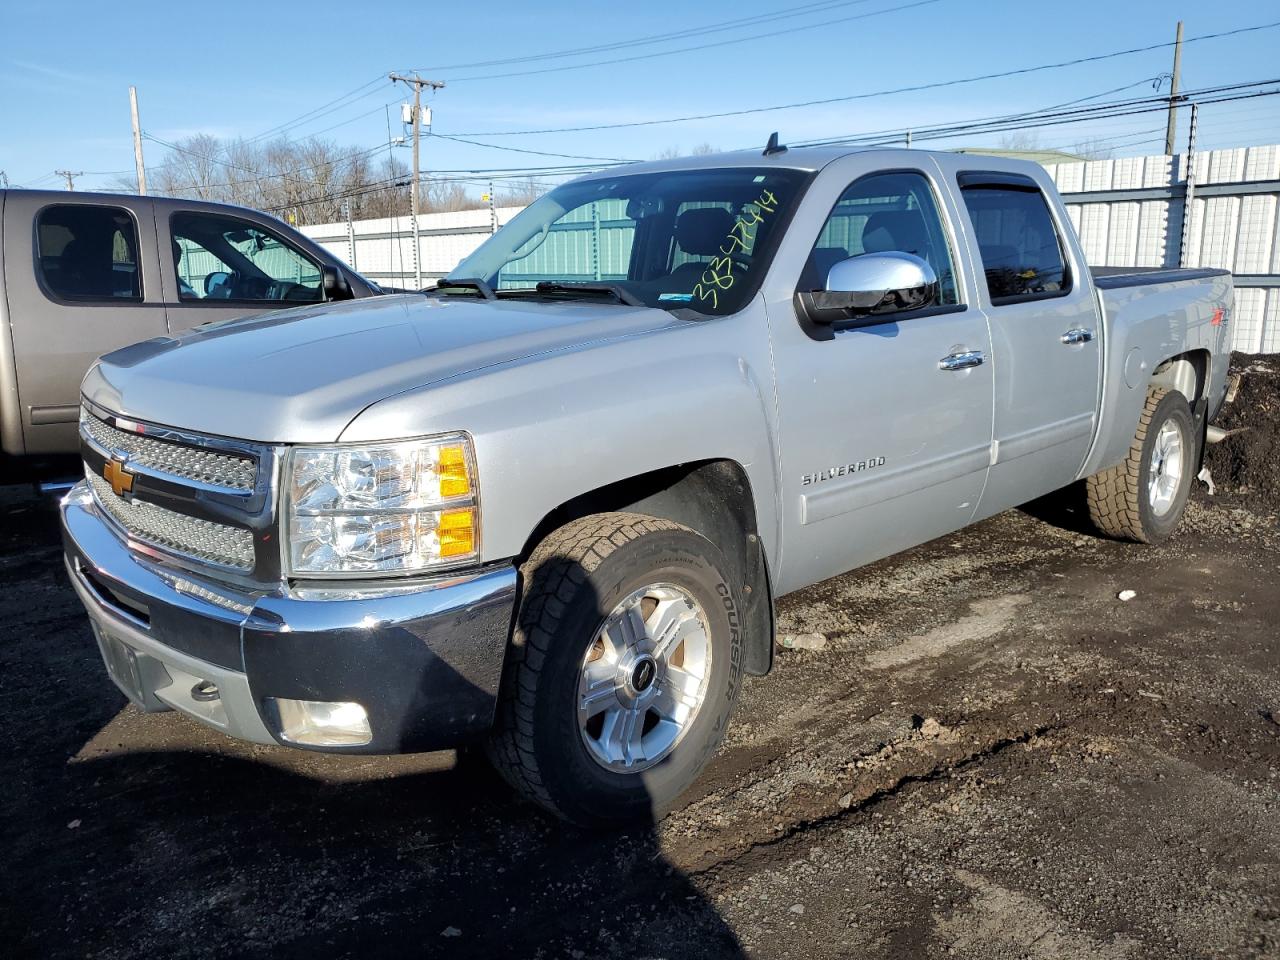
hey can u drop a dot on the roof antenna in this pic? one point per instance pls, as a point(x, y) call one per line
point(773, 146)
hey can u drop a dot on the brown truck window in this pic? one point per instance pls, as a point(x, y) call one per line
point(225, 258)
point(88, 252)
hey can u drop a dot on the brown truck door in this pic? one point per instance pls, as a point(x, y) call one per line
point(83, 279)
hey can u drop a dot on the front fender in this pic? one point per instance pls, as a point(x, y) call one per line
point(554, 427)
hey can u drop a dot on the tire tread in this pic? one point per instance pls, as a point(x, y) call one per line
point(554, 571)
point(1113, 494)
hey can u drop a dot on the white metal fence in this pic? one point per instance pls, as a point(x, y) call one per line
point(1129, 213)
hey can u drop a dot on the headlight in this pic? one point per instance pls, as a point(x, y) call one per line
point(381, 508)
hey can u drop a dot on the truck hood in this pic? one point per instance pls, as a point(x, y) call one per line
point(300, 376)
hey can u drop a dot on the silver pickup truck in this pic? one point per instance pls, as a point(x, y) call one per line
point(82, 274)
point(549, 506)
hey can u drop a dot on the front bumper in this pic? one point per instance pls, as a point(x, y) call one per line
point(424, 659)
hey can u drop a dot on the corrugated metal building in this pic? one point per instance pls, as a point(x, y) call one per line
point(1129, 213)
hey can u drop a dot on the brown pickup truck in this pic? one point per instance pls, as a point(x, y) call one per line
point(83, 274)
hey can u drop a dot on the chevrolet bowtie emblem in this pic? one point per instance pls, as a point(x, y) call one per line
point(121, 480)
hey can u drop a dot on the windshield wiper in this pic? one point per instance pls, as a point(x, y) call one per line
point(475, 284)
point(591, 288)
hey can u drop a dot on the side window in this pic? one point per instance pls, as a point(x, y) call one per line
point(882, 213)
point(1021, 252)
point(225, 258)
point(88, 252)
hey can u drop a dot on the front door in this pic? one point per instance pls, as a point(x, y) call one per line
point(885, 439)
point(83, 282)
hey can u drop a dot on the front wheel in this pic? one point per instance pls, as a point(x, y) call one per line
point(1142, 497)
point(625, 665)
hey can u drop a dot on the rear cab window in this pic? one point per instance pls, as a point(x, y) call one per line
point(88, 252)
point(1021, 249)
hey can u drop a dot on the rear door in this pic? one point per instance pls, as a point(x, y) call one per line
point(83, 280)
point(218, 266)
point(885, 444)
point(1045, 336)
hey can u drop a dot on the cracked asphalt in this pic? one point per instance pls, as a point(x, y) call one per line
point(991, 756)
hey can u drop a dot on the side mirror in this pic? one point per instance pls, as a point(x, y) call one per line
point(863, 288)
point(334, 283)
point(218, 278)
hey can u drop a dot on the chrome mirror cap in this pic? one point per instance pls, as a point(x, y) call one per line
point(866, 290)
point(880, 274)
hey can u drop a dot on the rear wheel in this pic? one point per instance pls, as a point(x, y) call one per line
point(1143, 497)
point(625, 665)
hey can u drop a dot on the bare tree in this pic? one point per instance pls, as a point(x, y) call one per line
point(307, 181)
point(1093, 149)
point(519, 193)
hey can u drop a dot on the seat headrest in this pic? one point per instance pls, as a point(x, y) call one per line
point(901, 230)
point(814, 276)
point(703, 230)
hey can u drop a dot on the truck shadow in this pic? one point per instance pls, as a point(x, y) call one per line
point(1067, 509)
point(187, 854)
point(161, 845)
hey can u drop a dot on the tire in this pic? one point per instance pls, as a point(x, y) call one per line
point(1120, 498)
point(572, 586)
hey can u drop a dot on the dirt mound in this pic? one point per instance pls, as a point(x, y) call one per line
point(1248, 463)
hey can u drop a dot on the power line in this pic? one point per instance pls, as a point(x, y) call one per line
point(540, 153)
point(1105, 109)
point(915, 88)
point(899, 133)
point(738, 24)
point(702, 46)
point(1033, 120)
point(311, 114)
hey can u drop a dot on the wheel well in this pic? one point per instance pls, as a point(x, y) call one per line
point(714, 498)
point(1188, 373)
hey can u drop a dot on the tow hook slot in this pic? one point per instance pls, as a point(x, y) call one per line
point(205, 691)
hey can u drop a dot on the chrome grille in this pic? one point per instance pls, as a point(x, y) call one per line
point(210, 467)
point(149, 524)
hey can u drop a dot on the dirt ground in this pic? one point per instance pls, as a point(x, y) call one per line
point(992, 756)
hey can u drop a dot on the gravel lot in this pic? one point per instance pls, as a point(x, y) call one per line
point(993, 756)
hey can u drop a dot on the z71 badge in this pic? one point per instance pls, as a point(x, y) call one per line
point(841, 471)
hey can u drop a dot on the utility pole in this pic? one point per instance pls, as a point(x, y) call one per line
point(71, 177)
point(1172, 128)
point(137, 142)
point(351, 233)
point(1189, 194)
point(417, 83)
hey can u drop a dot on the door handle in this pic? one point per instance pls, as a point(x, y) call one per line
point(1078, 335)
point(962, 361)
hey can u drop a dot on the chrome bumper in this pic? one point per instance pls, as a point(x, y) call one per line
point(423, 658)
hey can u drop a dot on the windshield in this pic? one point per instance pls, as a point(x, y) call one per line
point(700, 239)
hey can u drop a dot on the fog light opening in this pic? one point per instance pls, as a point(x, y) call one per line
point(322, 723)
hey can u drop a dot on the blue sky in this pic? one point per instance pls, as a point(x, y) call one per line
point(240, 69)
